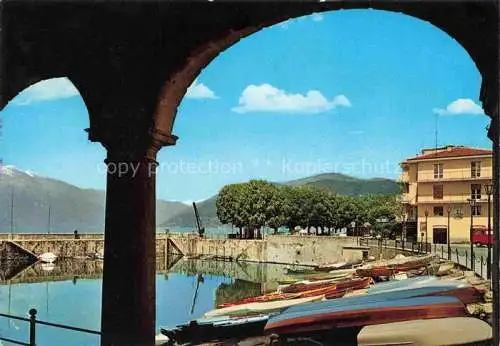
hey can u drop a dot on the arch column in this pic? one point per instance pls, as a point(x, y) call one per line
point(128, 289)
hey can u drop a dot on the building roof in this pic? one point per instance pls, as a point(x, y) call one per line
point(449, 152)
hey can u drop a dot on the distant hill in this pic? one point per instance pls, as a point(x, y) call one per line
point(333, 182)
point(71, 207)
point(185, 218)
point(347, 185)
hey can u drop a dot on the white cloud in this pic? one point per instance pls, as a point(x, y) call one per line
point(50, 89)
point(266, 98)
point(199, 91)
point(317, 17)
point(460, 106)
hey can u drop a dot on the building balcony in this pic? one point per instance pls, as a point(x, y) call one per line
point(450, 199)
point(455, 175)
point(408, 199)
point(404, 177)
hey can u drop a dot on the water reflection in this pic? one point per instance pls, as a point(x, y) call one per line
point(196, 284)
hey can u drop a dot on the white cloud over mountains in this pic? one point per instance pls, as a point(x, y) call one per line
point(459, 107)
point(200, 91)
point(50, 89)
point(267, 98)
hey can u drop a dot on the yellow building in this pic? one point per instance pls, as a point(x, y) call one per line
point(440, 183)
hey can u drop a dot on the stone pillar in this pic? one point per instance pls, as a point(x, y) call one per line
point(128, 291)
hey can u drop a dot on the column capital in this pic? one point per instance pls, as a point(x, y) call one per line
point(128, 145)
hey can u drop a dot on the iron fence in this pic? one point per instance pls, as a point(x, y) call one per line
point(32, 328)
point(455, 253)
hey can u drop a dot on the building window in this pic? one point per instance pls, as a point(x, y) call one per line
point(438, 211)
point(438, 170)
point(437, 191)
point(475, 191)
point(476, 210)
point(458, 212)
point(475, 169)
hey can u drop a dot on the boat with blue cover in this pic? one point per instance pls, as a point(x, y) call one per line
point(363, 314)
point(465, 292)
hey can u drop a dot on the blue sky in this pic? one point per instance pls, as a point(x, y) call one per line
point(353, 91)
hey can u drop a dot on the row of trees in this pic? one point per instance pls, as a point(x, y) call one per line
point(258, 203)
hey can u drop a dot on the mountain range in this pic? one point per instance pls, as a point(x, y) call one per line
point(333, 182)
point(73, 208)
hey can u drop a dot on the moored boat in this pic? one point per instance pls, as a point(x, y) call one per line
point(48, 257)
point(378, 312)
point(460, 290)
point(260, 307)
point(429, 332)
point(395, 265)
point(225, 327)
point(334, 274)
point(416, 281)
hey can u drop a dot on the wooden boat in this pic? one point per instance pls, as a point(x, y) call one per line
point(416, 281)
point(48, 257)
point(336, 294)
point(330, 290)
point(336, 266)
point(305, 286)
point(365, 314)
point(430, 332)
point(445, 268)
point(299, 270)
point(354, 284)
point(340, 284)
point(452, 288)
point(260, 307)
point(334, 274)
point(391, 267)
point(226, 327)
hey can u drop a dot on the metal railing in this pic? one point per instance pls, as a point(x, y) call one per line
point(455, 252)
point(455, 174)
point(32, 330)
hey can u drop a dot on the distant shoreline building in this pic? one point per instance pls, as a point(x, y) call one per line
point(440, 182)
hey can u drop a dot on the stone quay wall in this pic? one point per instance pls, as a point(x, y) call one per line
point(284, 249)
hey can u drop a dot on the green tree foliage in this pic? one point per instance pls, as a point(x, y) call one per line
point(259, 203)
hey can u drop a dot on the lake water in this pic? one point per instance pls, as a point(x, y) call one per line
point(60, 296)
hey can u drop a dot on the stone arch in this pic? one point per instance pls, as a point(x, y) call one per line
point(176, 85)
point(38, 81)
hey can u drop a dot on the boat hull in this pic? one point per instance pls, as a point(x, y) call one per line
point(366, 314)
point(227, 328)
point(430, 332)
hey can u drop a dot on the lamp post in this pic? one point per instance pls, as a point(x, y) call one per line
point(426, 213)
point(448, 233)
point(403, 234)
point(472, 202)
point(489, 191)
